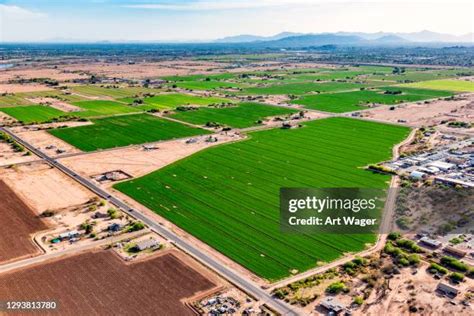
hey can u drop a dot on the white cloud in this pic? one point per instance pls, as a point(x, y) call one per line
point(14, 12)
point(209, 5)
point(219, 5)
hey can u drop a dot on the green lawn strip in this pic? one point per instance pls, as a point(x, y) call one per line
point(240, 116)
point(33, 113)
point(227, 195)
point(124, 130)
point(102, 108)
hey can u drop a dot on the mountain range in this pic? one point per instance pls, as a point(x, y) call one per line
point(350, 38)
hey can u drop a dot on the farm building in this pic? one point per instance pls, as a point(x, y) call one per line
point(332, 305)
point(447, 289)
point(431, 242)
point(455, 251)
point(444, 166)
point(454, 182)
point(147, 244)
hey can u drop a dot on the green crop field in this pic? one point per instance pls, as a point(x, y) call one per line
point(124, 130)
point(451, 85)
point(357, 100)
point(228, 196)
point(33, 113)
point(173, 100)
point(223, 76)
point(102, 108)
point(240, 116)
point(22, 98)
point(113, 92)
point(303, 88)
point(206, 85)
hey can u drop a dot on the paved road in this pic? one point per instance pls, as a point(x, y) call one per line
point(181, 243)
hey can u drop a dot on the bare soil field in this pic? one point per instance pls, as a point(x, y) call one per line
point(17, 88)
point(8, 156)
point(99, 283)
point(18, 223)
point(40, 72)
point(145, 70)
point(48, 143)
point(136, 160)
point(433, 113)
point(57, 104)
point(43, 187)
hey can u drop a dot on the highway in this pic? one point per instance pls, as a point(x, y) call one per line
point(220, 268)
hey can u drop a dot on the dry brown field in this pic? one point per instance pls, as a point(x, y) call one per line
point(100, 283)
point(17, 222)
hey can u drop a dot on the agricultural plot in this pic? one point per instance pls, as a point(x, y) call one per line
point(206, 85)
point(33, 113)
point(111, 92)
point(124, 130)
point(450, 85)
point(239, 116)
point(358, 100)
point(109, 285)
point(228, 196)
point(18, 223)
point(303, 88)
point(222, 76)
point(102, 108)
point(173, 100)
point(22, 98)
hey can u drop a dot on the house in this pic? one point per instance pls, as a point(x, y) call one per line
point(69, 234)
point(418, 175)
point(430, 242)
point(455, 251)
point(447, 290)
point(114, 227)
point(444, 166)
point(147, 244)
point(332, 305)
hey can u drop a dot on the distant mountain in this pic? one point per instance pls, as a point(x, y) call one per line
point(255, 38)
point(344, 38)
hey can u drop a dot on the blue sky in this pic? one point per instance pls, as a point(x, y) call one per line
point(39, 20)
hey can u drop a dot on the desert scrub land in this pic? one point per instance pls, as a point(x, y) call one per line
point(228, 196)
point(238, 116)
point(124, 130)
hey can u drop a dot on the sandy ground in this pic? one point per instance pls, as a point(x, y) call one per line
point(16, 88)
point(37, 127)
point(424, 286)
point(48, 143)
point(40, 72)
point(43, 187)
point(137, 161)
point(146, 70)
point(418, 115)
point(8, 156)
point(57, 104)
